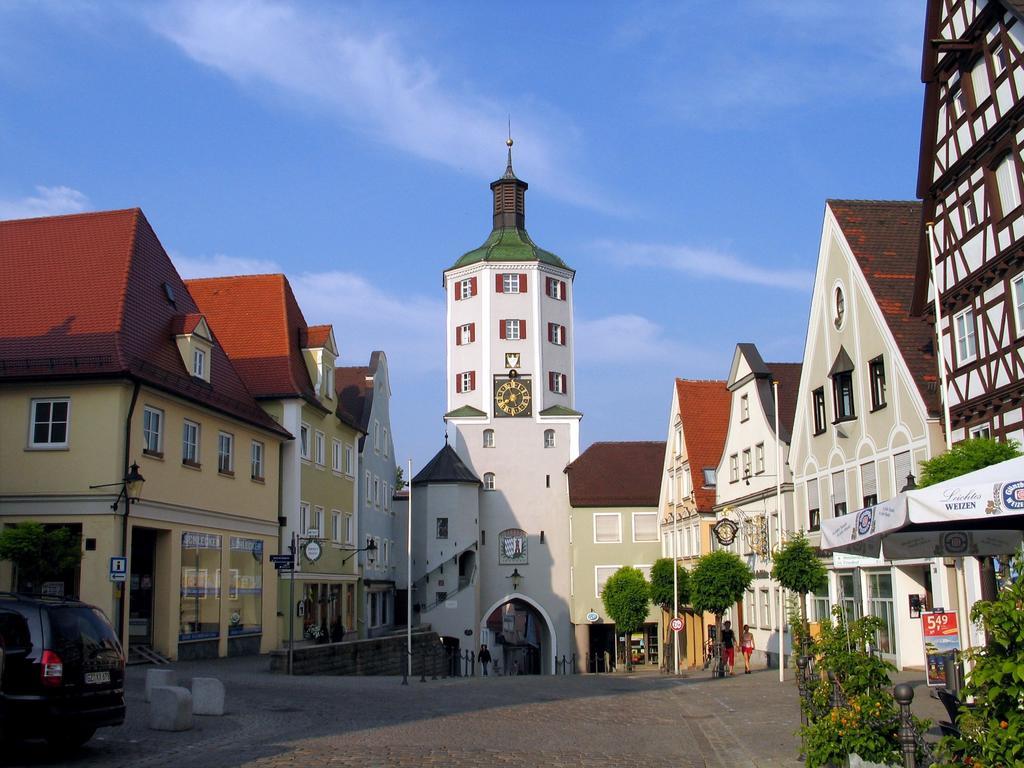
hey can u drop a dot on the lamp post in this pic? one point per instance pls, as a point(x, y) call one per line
point(131, 490)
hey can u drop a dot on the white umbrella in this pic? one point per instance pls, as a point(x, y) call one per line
point(980, 513)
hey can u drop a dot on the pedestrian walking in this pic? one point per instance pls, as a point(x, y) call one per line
point(485, 658)
point(746, 647)
point(728, 648)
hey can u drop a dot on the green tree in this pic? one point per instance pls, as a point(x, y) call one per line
point(717, 583)
point(626, 597)
point(399, 479)
point(38, 553)
point(965, 457)
point(798, 569)
point(661, 594)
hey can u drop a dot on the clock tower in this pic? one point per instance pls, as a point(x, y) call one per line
point(512, 419)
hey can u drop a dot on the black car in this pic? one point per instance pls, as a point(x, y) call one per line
point(61, 670)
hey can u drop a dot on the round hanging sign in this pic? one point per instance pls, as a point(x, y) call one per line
point(725, 531)
point(592, 617)
point(313, 551)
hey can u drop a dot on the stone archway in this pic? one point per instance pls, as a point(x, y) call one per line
point(544, 637)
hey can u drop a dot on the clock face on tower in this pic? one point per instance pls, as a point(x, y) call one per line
point(512, 397)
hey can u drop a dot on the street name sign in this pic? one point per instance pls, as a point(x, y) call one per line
point(282, 562)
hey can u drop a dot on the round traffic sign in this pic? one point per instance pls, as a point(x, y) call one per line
point(676, 624)
point(592, 617)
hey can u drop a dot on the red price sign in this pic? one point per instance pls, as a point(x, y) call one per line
point(939, 624)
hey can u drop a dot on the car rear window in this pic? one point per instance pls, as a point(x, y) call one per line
point(80, 633)
point(14, 633)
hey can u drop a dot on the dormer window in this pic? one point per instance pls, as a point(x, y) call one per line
point(199, 363)
point(327, 377)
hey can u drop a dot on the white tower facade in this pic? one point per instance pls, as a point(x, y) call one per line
point(511, 409)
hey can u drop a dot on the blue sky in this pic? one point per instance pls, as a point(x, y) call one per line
point(678, 154)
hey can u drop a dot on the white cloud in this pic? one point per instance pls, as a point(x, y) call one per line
point(368, 79)
point(625, 339)
point(702, 262)
point(48, 201)
point(221, 265)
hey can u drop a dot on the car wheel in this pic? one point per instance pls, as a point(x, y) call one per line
point(72, 738)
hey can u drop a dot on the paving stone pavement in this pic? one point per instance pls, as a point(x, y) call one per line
point(645, 719)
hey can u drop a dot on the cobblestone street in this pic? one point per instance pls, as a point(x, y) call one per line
point(608, 720)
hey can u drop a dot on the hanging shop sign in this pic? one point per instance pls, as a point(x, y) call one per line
point(725, 531)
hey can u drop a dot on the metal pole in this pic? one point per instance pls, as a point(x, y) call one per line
point(675, 592)
point(291, 608)
point(782, 531)
point(408, 572)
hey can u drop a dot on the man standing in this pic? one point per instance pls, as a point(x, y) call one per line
point(485, 658)
point(728, 648)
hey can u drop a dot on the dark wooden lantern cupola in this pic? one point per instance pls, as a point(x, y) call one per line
point(509, 198)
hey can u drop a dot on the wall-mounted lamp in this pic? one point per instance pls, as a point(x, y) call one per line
point(517, 579)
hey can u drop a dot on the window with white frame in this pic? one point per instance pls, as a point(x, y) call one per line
point(759, 459)
point(336, 526)
point(376, 436)
point(199, 363)
point(304, 441)
point(678, 440)
point(557, 382)
point(385, 446)
point(466, 334)
point(966, 343)
point(556, 334)
point(466, 289)
point(734, 468)
point(488, 438)
point(601, 575)
point(956, 97)
point(750, 603)
point(303, 517)
point(839, 507)
point(869, 484)
point(376, 491)
point(50, 421)
point(488, 481)
point(152, 431)
point(645, 526)
point(607, 528)
point(465, 381)
point(350, 467)
point(225, 453)
point(1007, 184)
point(903, 468)
point(388, 493)
point(317, 523)
point(320, 448)
point(979, 81)
point(190, 443)
point(256, 460)
point(1017, 300)
point(442, 528)
point(328, 380)
point(513, 330)
point(766, 609)
point(980, 431)
point(369, 488)
point(549, 438)
point(349, 528)
point(510, 283)
point(744, 407)
point(335, 454)
point(876, 373)
point(747, 463)
point(999, 59)
point(555, 288)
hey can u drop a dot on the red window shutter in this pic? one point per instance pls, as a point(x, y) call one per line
point(501, 329)
point(472, 332)
point(522, 329)
point(458, 383)
point(564, 382)
point(458, 336)
point(522, 283)
point(561, 289)
point(498, 285)
point(551, 331)
point(551, 381)
point(458, 291)
point(472, 380)
point(472, 286)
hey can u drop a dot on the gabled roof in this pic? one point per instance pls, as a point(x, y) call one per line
point(704, 413)
point(95, 295)
point(788, 376)
point(617, 475)
point(445, 467)
point(354, 387)
point(317, 336)
point(465, 411)
point(260, 324)
point(884, 237)
point(559, 410)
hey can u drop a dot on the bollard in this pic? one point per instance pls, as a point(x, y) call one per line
point(574, 662)
point(565, 669)
point(465, 664)
point(904, 694)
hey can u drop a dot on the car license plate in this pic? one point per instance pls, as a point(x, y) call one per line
point(93, 678)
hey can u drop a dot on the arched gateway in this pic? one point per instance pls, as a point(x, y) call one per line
point(520, 635)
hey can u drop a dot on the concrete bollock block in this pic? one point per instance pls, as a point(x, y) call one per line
point(207, 696)
point(158, 678)
point(170, 709)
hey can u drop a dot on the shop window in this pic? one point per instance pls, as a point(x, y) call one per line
point(245, 588)
point(200, 586)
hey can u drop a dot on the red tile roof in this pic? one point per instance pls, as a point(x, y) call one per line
point(316, 336)
point(95, 295)
point(617, 475)
point(185, 324)
point(704, 412)
point(355, 394)
point(260, 324)
point(884, 237)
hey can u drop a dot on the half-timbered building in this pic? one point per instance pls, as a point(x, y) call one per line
point(970, 181)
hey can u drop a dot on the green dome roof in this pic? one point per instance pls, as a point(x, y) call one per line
point(509, 244)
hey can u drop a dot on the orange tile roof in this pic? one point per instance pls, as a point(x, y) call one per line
point(95, 295)
point(704, 412)
point(316, 336)
point(626, 474)
point(260, 324)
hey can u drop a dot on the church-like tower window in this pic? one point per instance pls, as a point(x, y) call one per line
point(466, 334)
point(557, 382)
point(466, 381)
point(488, 438)
point(556, 334)
point(488, 481)
point(513, 330)
point(510, 283)
point(555, 288)
point(549, 438)
point(465, 289)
